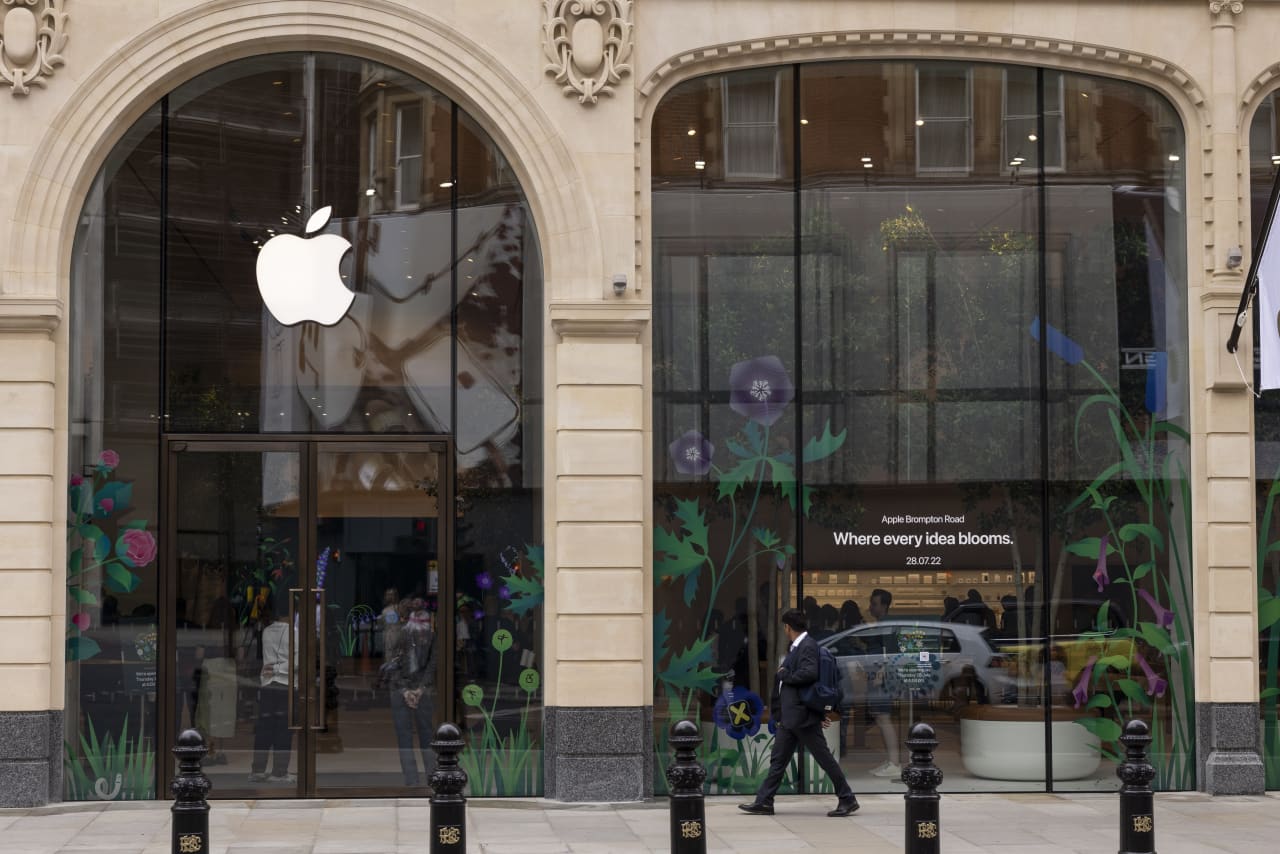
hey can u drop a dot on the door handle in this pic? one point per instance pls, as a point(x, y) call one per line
point(320, 716)
point(293, 658)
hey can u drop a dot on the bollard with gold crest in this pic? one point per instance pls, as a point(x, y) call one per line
point(1137, 816)
point(684, 781)
point(448, 806)
point(924, 825)
point(190, 809)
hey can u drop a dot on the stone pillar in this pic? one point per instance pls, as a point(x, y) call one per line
point(32, 582)
point(1225, 593)
point(599, 741)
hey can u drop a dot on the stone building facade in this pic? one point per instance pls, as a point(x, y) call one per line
point(567, 118)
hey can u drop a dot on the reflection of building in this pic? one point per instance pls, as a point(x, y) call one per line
point(937, 220)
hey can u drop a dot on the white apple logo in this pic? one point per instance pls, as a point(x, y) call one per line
point(298, 276)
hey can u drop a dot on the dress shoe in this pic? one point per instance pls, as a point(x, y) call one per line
point(844, 808)
point(757, 809)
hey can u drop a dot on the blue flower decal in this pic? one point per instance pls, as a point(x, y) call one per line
point(760, 389)
point(737, 711)
point(692, 453)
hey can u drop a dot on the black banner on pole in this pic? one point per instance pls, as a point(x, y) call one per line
point(1251, 280)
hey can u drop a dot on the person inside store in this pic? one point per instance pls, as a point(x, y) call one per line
point(412, 685)
point(797, 724)
point(879, 701)
point(271, 735)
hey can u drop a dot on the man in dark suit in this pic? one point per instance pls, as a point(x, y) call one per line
point(797, 724)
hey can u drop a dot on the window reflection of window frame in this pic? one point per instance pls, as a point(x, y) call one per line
point(399, 106)
point(371, 158)
point(925, 121)
point(742, 80)
point(1039, 146)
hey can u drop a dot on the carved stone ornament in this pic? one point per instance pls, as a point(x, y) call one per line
point(32, 36)
point(1235, 7)
point(588, 43)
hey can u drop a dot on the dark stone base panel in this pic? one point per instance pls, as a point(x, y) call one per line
point(1228, 741)
point(598, 754)
point(30, 758)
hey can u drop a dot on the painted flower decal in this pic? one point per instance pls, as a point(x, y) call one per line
point(1164, 617)
point(501, 640)
point(529, 680)
point(692, 453)
point(484, 580)
point(1081, 692)
point(760, 389)
point(737, 711)
point(136, 547)
point(108, 459)
point(504, 592)
point(77, 480)
point(1100, 574)
point(1059, 344)
point(1156, 685)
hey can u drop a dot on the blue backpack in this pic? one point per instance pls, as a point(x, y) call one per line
point(824, 695)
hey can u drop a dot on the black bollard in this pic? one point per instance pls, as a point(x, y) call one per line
point(448, 806)
point(924, 828)
point(190, 809)
point(684, 781)
point(1137, 815)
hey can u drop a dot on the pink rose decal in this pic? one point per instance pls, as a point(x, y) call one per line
point(110, 459)
point(77, 480)
point(106, 505)
point(81, 621)
point(137, 548)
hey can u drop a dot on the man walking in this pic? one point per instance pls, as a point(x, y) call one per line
point(797, 724)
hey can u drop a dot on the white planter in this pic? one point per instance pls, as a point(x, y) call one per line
point(1014, 749)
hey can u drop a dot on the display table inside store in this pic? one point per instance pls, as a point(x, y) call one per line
point(1007, 743)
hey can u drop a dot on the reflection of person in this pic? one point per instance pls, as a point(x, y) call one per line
point(879, 703)
point(271, 731)
point(413, 684)
point(797, 724)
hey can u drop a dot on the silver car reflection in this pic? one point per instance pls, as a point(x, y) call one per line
point(920, 660)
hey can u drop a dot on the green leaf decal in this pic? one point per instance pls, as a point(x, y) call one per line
point(1104, 728)
point(765, 537)
point(120, 579)
point(1157, 637)
point(526, 593)
point(691, 669)
point(824, 446)
point(82, 596)
point(1115, 662)
point(1133, 691)
point(1088, 547)
point(681, 557)
point(1129, 533)
point(79, 648)
point(1099, 701)
point(732, 480)
point(1268, 612)
point(1143, 570)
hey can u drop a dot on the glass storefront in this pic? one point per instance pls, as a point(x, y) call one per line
point(1264, 160)
point(920, 369)
point(312, 534)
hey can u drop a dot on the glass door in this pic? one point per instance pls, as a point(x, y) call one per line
point(235, 549)
point(304, 587)
point(380, 542)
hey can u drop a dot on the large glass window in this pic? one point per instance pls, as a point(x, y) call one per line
point(1264, 161)
point(939, 404)
point(184, 362)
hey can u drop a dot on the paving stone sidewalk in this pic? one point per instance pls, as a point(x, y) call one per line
point(1186, 823)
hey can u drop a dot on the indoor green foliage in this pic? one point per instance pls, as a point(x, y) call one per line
point(117, 768)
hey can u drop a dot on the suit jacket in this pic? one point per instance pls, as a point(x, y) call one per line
point(799, 668)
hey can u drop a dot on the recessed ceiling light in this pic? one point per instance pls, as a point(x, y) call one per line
point(804, 121)
point(866, 165)
point(866, 160)
point(444, 185)
point(692, 132)
point(1032, 137)
point(699, 164)
point(370, 192)
point(1173, 158)
point(919, 123)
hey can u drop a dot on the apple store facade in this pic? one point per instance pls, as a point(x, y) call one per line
point(305, 441)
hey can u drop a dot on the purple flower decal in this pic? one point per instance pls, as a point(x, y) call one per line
point(1156, 686)
point(737, 711)
point(1059, 344)
point(692, 453)
point(1081, 692)
point(478, 615)
point(1164, 616)
point(484, 580)
point(504, 591)
point(760, 389)
point(1100, 574)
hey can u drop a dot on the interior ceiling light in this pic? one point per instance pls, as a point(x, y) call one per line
point(866, 160)
point(804, 121)
point(692, 132)
point(699, 164)
point(1032, 137)
point(1173, 158)
point(919, 123)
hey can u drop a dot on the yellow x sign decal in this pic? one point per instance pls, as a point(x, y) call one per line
point(740, 713)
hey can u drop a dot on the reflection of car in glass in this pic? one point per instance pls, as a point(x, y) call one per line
point(1080, 630)
point(922, 660)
